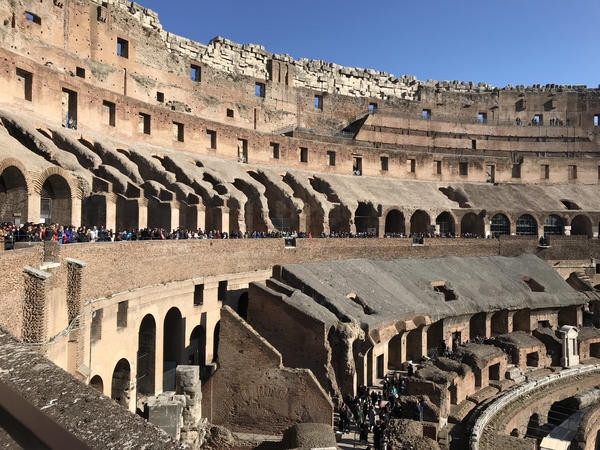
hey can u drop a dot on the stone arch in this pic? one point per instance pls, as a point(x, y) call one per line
point(365, 218)
point(477, 325)
point(197, 348)
point(172, 347)
point(420, 222)
point(527, 225)
point(395, 223)
point(581, 225)
point(499, 225)
point(56, 192)
point(14, 193)
point(414, 344)
point(499, 323)
point(395, 353)
point(446, 223)
point(242, 308)
point(472, 224)
point(121, 383)
point(522, 320)
point(146, 356)
point(216, 334)
point(553, 225)
point(97, 383)
point(339, 219)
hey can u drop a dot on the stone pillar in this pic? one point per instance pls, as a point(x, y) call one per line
point(174, 224)
point(111, 211)
point(220, 220)
point(74, 308)
point(142, 213)
point(570, 356)
point(76, 208)
point(33, 208)
point(35, 307)
point(187, 385)
point(509, 321)
point(424, 340)
point(403, 336)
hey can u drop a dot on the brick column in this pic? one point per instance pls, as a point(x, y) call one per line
point(35, 307)
point(75, 308)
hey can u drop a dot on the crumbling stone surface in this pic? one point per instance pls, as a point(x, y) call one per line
point(408, 435)
point(92, 417)
point(219, 438)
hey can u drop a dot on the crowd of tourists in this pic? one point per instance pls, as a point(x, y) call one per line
point(371, 410)
point(67, 234)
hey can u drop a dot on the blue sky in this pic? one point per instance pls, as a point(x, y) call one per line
point(498, 42)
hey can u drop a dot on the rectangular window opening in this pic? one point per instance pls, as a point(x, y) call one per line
point(596, 120)
point(69, 102)
point(473, 144)
point(516, 171)
point(303, 155)
point(318, 102)
point(357, 166)
point(490, 173)
point(211, 137)
point(122, 48)
point(538, 120)
point(178, 132)
point(482, 117)
point(80, 72)
point(144, 123)
point(195, 73)
point(243, 150)
point(411, 165)
point(437, 167)
point(259, 89)
point(544, 171)
point(199, 295)
point(463, 169)
point(330, 158)
point(274, 150)
point(222, 291)
point(160, 97)
point(229, 112)
point(384, 160)
point(122, 314)
point(31, 17)
point(426, 114)
point(572, 172)
point(108, 113)
point(96, 328)
point(372, 108)
point(26, 80)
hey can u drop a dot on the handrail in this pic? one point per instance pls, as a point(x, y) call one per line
point(505, 399)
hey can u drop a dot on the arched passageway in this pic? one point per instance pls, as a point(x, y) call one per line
point(395, 353)
point(146, 357)
point(499, 225)
point(55, 198)
point(197, 348)
point(216, 342)
point(500, 323)
point(13, 195)
point(522, 320)
point(420, 222)
point(553, 225)
point(365, 219)
point(581, 226)
point(172, 347)
point(242, 308)
point(339, 220)
point(395, 223)
point(471, 224)
point(121, 383)
point(97, 383)
point(445, 223)
point(414, 344)
point(527, 226)
point(477, 325)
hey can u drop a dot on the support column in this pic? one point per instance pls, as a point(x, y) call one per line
point(142, 213)
point(75, 364)
point(35, 308)
point(509, 321)
point(111, 212)
point(33, 208)
point(174, 223)
point(76, 208)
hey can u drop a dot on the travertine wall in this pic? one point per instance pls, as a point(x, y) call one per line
point(254, 391)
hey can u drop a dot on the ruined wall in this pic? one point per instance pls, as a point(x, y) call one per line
point(302, 340)
point(587, 431)
point(253, 391)
point(12, 285)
